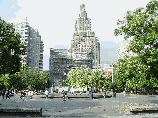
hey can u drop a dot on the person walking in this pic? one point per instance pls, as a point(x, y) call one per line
point(46, 93)
point(24, 95)
point(131, 92)
point(114, 93)
point(63, 92)
point(21, 94)
point(3, 93)
point(7, 94)
point(124, 92)
point(104, 93)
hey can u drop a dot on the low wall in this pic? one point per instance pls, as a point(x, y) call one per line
point(20, 111)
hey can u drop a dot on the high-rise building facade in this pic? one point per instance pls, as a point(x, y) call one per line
point(84, 52)
point(60, 63)
point(35, 47)
point(84, 40)
point(22, 29)
point(122, 51)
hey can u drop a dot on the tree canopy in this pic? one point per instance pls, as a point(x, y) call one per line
point(142, 26)
point(25, 79)
point(86, 77)
point(10, 49)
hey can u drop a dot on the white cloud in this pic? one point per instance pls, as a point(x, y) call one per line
point(12, 6)
point(8, 8)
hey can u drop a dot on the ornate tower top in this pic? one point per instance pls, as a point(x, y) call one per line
point(85, 47)
point(83, 13)
point(82, 7)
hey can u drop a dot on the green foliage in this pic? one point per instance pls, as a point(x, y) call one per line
point(25, 79)
point(131, 72)
point(86, 77)
point(45, 76)
point(10, 49)
point(141, 25)
point(30, 77)
point(108, 83)
point(5, 79)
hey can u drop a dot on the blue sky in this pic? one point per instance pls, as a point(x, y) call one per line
point(55, 21)
point(8, 9)
point(1, 1)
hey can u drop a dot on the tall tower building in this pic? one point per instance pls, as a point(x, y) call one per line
point(31, 38)
point(23, 29)
point(84, 40)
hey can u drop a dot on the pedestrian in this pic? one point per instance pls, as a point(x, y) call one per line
point(46, 93)
point(7, 94)
point(63, 92)
point(24, 95)
point(131, 92)
point(124, 92)
point(21, 94)
point(3, 93)
point(114, 93)
point(104, 93)
point(72, 92)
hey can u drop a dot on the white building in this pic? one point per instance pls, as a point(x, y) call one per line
point(84, 40)
point(31, 38)
point(122, 51)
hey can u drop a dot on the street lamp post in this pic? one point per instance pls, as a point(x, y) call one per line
point(112, 73)
point(114, 92)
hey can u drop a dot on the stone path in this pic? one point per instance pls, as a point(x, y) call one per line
point(79, 107)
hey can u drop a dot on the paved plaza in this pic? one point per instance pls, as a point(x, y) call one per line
point(81, 107)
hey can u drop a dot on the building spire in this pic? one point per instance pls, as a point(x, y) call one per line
point(83, 13)
point(82, 7)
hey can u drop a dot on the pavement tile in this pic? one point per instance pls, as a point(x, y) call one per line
point(79, 107)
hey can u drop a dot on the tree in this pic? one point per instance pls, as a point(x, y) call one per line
point(31, 78)
point(11, 81)
point(108, 82)
point(86, 77)
point(45, 78)
point(34, 79)
point(71, 81)
point(10, 49)
point(121, 75)
point(5, 80)
point(24, 79)
point(98, 79)
point(142, 26)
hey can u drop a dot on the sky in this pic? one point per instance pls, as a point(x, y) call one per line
point(55, 21)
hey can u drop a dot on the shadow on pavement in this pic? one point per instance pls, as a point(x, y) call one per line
point(153, 101)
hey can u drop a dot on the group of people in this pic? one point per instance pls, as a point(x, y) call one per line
point(63, 92)
point(7, 93)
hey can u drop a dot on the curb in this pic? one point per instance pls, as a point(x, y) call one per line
point(5, 111)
